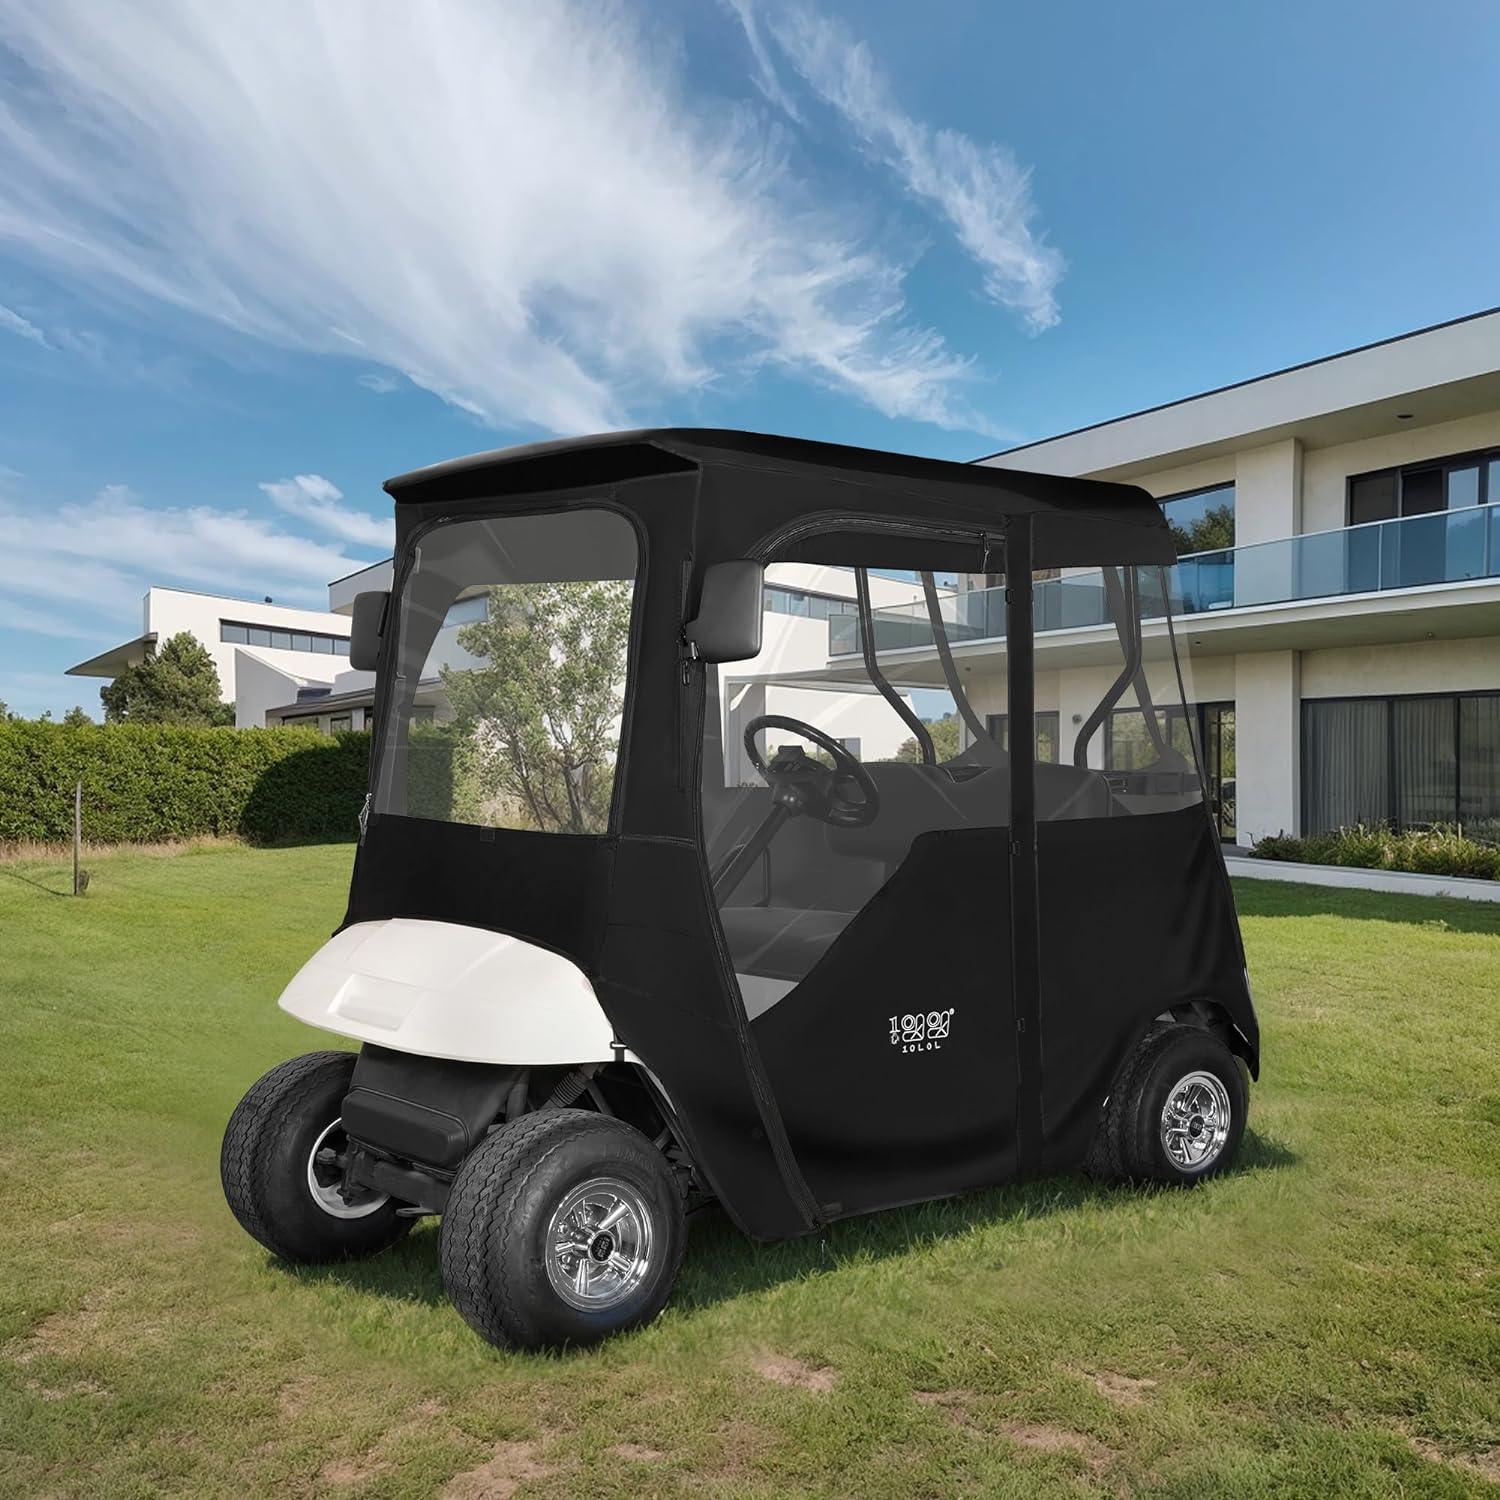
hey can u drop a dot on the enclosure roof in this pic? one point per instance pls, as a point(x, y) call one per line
point(615, 457)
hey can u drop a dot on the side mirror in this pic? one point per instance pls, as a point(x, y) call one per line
point(368, 624)
point(730, 612)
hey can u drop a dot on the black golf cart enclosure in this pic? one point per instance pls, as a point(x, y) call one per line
point(874, 835)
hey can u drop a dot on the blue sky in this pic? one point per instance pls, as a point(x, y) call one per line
point(242, 244)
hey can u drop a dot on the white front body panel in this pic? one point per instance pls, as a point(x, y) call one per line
point(439, 989)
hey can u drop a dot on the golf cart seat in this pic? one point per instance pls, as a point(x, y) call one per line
point(780, 942)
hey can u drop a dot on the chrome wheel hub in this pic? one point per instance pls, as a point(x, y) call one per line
point(599, 1244)
point(1195, 1121)
point(325, 1178)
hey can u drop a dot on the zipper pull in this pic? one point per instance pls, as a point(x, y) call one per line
point(364, 815)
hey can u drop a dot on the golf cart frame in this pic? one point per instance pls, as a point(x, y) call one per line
point(502, 980)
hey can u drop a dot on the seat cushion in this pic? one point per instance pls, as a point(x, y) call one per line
point(779, 942)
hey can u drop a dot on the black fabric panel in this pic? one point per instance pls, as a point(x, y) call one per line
point(1136, 917)
point(549, 888)
point(877, 1123)
point(665, 988)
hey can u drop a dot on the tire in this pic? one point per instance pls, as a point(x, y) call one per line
point(268, 1172)
point(1132, 1139)
point(499, 1231)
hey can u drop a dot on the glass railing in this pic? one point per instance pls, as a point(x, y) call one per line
point(1413, 552)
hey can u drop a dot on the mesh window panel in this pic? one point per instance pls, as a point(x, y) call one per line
point(530, 691)
point(1346, 763)
point(1124, 718)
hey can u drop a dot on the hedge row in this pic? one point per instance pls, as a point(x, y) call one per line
point(146, 783)
point(1440, 850)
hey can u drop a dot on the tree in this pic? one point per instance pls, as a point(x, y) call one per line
point(1213, 531)
point(75, 718)
point(944, 734)
point(175, 684)
point(542, 710)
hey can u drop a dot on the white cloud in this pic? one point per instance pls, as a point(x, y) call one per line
point(382, 385)
point(13, 322)
point(514, 205)
point(93, 561)
point(981, 189)
point(313, 499)
point(767, 79)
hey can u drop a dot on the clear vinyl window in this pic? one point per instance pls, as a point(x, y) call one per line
point(511, 670)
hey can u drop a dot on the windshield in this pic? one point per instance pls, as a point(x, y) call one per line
point(510, 672)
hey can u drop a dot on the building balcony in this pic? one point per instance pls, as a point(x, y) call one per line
point(1412, 552)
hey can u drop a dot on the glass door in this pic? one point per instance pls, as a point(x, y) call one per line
point(1216, 736)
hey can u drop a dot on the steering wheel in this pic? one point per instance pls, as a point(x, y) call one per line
point(803, 785)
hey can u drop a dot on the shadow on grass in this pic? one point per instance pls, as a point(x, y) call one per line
point(722, 1263)
point(32, 881)
point(1272, 898)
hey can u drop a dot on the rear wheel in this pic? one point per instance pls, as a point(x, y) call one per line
point(1177, 1112)
point(282, 1166)
point(562, 1227)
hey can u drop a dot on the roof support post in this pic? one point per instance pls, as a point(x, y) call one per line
point(1024, 910)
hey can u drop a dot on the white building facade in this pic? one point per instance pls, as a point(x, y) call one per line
point(265, 653)
point(1344, 653)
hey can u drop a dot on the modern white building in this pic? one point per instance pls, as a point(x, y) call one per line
point(265, 653)
point(1343, 655)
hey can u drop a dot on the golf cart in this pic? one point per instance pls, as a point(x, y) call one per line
point(805, 828)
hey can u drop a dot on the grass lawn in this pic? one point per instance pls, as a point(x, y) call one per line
point(1321, 1322)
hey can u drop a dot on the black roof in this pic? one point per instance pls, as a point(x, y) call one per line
point(614, 457)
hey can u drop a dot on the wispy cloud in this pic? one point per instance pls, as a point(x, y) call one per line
point(12, 322)
point(382, 385)
point(92, 561)
point(516, 206)
point(316, 500)
point(979, 188)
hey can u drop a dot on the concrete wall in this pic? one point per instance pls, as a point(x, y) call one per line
point(1414, 667)
point(1268, 743)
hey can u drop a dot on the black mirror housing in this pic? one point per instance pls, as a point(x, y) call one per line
point(368, 626)
point(730, 612)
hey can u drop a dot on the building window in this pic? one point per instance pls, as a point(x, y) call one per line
point(340, 723)
point(239, 633)
point(851, 744)
point(467, 611)
point(1420, 489)
point(1046, 733)
point(1128, 745)
point(784, 601)
point(1201, 520)
point(1410, 762)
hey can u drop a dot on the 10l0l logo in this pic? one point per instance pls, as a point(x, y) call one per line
point(922, 1031)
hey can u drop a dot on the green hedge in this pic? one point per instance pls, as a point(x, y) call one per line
point(144, 783)
point(1441, 850)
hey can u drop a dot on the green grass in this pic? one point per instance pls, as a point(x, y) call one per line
point(1323, 1321)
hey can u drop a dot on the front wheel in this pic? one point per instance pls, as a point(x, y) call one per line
point(282, 1166)
point(1177, 1112)
point(562, 1227)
